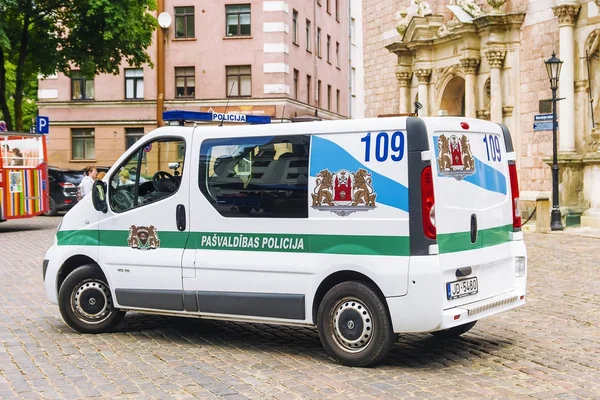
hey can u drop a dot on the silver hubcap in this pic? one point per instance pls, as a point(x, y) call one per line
point(91, 302)
point(352, 325)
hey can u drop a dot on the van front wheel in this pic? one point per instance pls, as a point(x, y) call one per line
point(85, 302)
point(354, 325)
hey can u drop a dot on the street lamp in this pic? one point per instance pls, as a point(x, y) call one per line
point(553, 65)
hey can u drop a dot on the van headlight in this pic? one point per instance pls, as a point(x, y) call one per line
point(520, 266)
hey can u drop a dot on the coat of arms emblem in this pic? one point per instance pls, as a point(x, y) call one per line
point(455, 158)
point(343, 192)
point(143, 237)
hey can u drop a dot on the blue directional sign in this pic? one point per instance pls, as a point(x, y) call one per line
point(543, 126)
point(42, 125)
point(542, 117)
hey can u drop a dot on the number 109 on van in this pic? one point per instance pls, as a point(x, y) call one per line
point(363, 229)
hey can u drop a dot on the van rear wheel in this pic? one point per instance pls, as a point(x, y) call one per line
point(85, 301)
point(354, 325)
point(455, 331)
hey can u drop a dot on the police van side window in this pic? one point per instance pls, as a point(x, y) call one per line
point(260, 177)
point(152, 173)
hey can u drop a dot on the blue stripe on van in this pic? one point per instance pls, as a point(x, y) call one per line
point(485, 176)
point(324, 154)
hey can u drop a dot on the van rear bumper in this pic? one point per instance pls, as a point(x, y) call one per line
point(425, 308)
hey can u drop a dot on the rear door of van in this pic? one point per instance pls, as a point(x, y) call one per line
point(473, 209)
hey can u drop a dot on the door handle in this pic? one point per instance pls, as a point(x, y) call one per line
point(180, 217)
point(473, 228)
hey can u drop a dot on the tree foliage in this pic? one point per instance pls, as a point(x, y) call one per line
point(49, 36)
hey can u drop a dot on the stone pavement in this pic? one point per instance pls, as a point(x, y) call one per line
point(549, 349)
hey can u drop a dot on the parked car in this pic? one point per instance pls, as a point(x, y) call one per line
point(63, 188)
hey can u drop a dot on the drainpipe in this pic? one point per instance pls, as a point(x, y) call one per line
point(160, 67)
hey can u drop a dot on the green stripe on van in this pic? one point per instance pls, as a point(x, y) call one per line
point(293, 243)
point(461, 241)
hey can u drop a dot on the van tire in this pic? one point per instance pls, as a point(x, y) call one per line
point(455, 331)
point(354, 325)
point(91, 312)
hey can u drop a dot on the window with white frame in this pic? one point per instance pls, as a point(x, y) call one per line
point(134, 83)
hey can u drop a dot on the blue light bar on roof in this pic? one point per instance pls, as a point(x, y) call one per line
point(182, 116)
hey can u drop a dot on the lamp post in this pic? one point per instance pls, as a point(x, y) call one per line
point(553, 65)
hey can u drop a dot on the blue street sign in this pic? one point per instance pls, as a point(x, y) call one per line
point(42, 125)
point(543, 126)
point(542, 117)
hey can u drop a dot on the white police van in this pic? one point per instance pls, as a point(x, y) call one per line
point(364, 228)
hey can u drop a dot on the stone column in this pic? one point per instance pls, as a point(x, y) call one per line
point(469, 66)
point(566, 14)
point(495, 59)
point(404, 83)
point(423, 76)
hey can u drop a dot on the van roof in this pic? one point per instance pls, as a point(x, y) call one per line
point(323, 127)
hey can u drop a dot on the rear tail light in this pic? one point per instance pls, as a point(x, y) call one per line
point(66, 184)
point(514, 190)
point(428, 203)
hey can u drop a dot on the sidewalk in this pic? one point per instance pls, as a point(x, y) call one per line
point(574, 231)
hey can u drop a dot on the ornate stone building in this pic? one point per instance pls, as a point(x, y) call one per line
point(485, 59)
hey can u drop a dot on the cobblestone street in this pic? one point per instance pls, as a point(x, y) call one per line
point(549, 349)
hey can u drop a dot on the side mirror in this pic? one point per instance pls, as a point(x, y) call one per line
point(99, 196)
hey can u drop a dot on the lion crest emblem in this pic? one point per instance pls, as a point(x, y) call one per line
point(455, 157)
point(143, 237)
point(344, 192)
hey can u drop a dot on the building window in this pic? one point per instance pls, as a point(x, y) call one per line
point(337, 10)
point(184, 22)
point(328, 7)
point(239, 80)
point(134, 83)
point(329, 97)
point(337, 54)
point(308, 29)
point(295, 26)
point(185, 81)
point(238, 19)
point(296, 74)
point(319, 93)
point(329, 49)
point(132, 135)
point(337, 101)
point(319, 42)
point(276, 170)
point(353, 31)
point(352, 80)
point(82, 88)
point(83, 144)
point(308, 80)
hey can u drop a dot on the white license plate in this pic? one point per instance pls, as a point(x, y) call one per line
point(462, 288)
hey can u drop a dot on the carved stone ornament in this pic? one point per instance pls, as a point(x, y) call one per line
point(404, 78)
point(469, 65)
point(447, 27)
point(402, 20)
point(495, 58)
point(423, 75)
point(566, 13)
point(423, 8)
point(496, 4)
point(470, 7)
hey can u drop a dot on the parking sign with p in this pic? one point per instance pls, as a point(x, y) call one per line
point(42, 125)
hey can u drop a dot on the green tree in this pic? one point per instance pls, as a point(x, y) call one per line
point(49, 36)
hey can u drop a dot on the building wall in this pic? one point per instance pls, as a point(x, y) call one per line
point(270, 51)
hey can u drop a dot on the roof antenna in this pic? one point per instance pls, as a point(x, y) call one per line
point(282, 114)
point(226, 104)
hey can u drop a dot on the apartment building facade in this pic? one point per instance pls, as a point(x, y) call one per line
point(485, 59)
point(283, 59)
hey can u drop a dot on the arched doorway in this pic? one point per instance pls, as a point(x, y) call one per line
point(453, 99)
